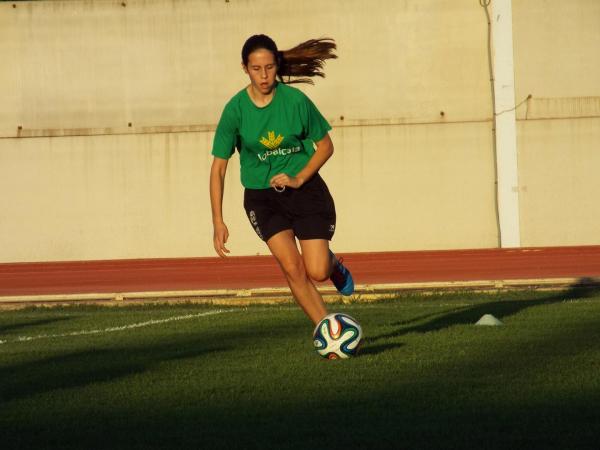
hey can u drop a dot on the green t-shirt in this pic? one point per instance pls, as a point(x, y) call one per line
point(273, 139)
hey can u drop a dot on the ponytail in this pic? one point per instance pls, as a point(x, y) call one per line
point(298, 64)
point(305, 60)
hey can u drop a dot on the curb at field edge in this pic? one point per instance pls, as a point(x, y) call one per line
point(243, 297)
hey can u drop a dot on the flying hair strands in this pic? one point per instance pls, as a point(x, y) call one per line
point(298, 64)
point(305, 60)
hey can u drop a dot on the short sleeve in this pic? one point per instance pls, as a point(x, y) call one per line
point(226, 134)
point(315, 125)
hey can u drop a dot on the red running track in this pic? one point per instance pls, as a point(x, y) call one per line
point(148, 275)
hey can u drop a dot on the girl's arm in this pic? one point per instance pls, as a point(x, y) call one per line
point(322, 154)
point(217, 184)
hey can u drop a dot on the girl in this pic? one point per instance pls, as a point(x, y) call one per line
point(274, 126)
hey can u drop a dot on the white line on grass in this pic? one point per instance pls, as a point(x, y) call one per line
point(113, 329)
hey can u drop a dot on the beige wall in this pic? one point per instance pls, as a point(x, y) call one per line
point(413, 187)
point(557, 61)
point(95, 64)
point(560, 185)
point(101, 197)
point(82, 183)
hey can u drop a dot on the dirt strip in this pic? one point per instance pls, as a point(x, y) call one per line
point(243, 276)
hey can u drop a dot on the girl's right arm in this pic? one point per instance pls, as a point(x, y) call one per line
point(217, 184)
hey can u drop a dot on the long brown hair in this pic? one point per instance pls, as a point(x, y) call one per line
point(298, 64)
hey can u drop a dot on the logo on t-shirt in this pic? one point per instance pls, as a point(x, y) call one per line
point(271, 141)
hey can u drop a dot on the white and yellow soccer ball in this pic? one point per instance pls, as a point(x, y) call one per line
point(337, 336)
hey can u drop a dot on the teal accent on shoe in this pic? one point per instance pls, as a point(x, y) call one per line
point(341, 277)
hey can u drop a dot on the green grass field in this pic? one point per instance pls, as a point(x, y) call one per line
point(248, 378)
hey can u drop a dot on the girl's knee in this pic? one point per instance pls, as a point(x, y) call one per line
point(318, 273)
point(294, 269)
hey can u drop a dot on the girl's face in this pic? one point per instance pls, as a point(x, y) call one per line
point(262, 70)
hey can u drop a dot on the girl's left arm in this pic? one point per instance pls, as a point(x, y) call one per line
point(322, 154)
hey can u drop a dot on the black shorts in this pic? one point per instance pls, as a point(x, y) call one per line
point(309, 211)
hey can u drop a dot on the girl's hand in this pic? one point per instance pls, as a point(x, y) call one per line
point(281, 180)
point(220, 236)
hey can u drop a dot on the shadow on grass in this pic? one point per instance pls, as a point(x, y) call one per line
point(584, 288)
point(32, 323)
point(79, 369)
point(112, 361)
point(368, 348)
point(438, 406)
point(447, 403)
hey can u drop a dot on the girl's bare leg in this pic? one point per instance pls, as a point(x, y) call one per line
point(321, 264)
point(284, 249)
point(317, 259)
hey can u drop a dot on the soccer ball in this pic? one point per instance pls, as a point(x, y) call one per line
point(337, 336)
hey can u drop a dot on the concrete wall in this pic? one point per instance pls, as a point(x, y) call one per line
point(557, 61)
point(108, 112)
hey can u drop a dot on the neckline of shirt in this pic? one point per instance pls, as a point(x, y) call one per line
point(262, 108)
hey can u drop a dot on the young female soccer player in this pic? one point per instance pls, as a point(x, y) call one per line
point(274, 126)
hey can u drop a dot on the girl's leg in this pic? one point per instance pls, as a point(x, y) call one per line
point(322, 264)
point(317, 258)
point(284, 249)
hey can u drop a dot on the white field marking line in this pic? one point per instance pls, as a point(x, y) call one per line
point(121, 328)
